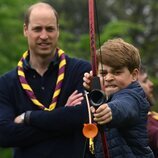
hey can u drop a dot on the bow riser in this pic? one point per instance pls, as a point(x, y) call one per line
point(96, 81)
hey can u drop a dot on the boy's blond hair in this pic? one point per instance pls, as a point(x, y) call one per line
point(117, 53)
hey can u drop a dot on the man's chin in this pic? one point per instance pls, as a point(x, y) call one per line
point(45, 53)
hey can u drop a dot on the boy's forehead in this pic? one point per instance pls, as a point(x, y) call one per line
point(102, 67)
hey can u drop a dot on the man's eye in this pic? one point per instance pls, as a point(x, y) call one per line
point(37, 29)
point(145, 81)
point(50, 29)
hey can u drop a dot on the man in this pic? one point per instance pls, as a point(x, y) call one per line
point(39, 115)
point(152, 124)
point(146, 84)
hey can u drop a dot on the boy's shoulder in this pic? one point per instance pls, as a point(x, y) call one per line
point(134, 90)
point(134, 87)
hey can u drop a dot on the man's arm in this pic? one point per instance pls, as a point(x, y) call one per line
point(67, 118)
point(62, 117)
point(12, 134)
point(51, 124)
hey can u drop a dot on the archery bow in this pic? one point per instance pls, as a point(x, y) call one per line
point(96, 96)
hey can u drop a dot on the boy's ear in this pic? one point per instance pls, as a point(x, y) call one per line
point(135, 74)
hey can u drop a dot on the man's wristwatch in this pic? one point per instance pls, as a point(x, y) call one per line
point(22, 116)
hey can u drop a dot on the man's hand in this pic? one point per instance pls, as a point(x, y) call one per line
point(74, 99)
point(20, 118)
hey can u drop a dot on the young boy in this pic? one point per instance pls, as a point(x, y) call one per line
point(124, 114)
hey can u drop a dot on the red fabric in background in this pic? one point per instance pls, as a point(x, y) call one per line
point(152, 127)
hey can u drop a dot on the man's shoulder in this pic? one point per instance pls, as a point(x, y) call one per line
point(78, 62)
point(12, 74)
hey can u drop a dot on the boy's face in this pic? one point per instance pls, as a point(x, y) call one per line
point(113, 80)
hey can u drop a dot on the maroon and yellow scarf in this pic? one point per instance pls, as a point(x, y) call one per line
point(59, 81)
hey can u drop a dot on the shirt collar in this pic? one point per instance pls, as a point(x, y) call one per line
point(55, 61)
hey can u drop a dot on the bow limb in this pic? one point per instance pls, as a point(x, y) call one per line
point(92, 37)
point(96, 88)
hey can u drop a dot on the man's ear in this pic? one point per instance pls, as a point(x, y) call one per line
point(58, 31)
point(25, 28)
point(135, 74)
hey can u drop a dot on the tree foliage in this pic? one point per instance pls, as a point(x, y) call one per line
point(12, 42)
point(133, 20)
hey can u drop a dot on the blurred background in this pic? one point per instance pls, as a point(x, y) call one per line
point(134, 21)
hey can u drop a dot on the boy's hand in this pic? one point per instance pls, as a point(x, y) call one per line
point(102, 115)
point(87, 80)
point(74, 99)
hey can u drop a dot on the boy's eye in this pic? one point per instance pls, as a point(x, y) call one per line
point(103, 73)
point(117, 72)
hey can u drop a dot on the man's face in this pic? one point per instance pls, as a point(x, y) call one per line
point(146, 84)
point(42, 31)
point(114, 80)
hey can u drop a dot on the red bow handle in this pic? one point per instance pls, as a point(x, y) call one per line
point(96, 96)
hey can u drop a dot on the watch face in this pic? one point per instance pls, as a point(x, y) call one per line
point(22, 116)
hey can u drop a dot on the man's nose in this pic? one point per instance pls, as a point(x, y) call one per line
point(43, 34)
point(151, 84)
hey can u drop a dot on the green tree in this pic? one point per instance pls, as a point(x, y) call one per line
point(12, 42)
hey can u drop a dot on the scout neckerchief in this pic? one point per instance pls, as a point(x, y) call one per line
point(153, 114)
point(59, 81)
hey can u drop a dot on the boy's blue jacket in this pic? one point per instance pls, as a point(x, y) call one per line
point(55, 134)
point(126, 133)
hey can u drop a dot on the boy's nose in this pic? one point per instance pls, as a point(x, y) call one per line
point(109, 77)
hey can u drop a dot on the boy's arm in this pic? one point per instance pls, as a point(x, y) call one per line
point(125, 110)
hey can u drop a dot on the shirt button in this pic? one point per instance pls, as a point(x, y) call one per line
point(34, 76)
